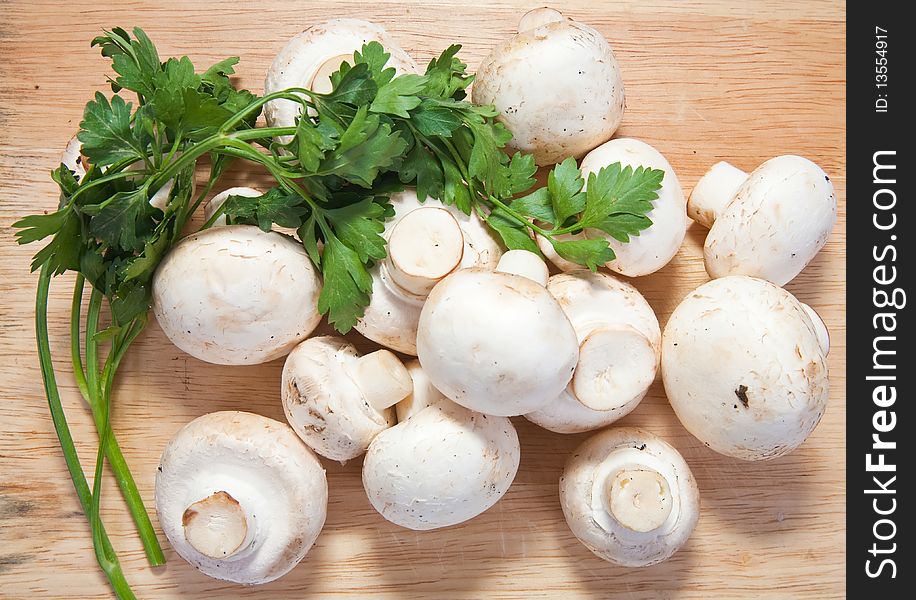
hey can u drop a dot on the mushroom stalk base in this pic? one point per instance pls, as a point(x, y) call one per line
point(321, 81)
point(216, 526)
point(382, 379)
point(714, 192)
point(536, 17)
point(424, 247)
point(639, 499)
point(524, 263)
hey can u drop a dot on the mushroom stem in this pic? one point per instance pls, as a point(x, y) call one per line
point(714, 192)
point(216, 526)
point(524, 263)
point(321, 80)
point(539, 16)
point(424, 247)
point(617, 364)
point(382, 379)
point(820, 328)
point(639, 498)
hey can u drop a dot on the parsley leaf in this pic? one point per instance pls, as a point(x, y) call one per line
point(398, 96)
point(105, 131)
point(565, 185)
point(486, 153)
point(274, 206)
point(375, 58)
point(136, 61)
point(614, 191)
point(514, 235)
point(435, 120)
point(366, 147)
point(536, 205)
point(445, 75)
point(123, 220)
point(62, 253)
point(347, 285)
point(359, 226)
point(422, 168)
point(515, 177)
point(591, 253)
point(313, 141)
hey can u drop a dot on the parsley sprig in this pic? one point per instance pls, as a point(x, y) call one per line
point(372, 134)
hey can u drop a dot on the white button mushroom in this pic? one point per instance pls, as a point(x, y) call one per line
point(619, 352)
point(581, 105)
point(216, 202)
point(236, 295)
point(426, 242)
point(497, 342)
point(769, 224)
point(309, 59)
point(629, 497)
point(240, 497)
point(654, 247)
point(744, 367)
point(443, 466)
point(336, 400)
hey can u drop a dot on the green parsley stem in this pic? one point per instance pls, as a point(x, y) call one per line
point(111, 567)
point(97, 396)
point(287, 94)
point(75, 351)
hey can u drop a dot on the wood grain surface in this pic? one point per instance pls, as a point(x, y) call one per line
point(705, 81)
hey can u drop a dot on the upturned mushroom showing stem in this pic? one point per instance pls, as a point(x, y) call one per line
point(744, 366)
point(619, 352)
point(338, 401)
point(426, 242)
point(236, 295)
point(240, 497)
point(769, 224)
point(309, 59)
point(629, 497)
point(497, 342)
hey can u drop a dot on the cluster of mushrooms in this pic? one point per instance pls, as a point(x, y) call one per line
point(243, 497)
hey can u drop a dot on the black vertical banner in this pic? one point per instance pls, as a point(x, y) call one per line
point(880, 223)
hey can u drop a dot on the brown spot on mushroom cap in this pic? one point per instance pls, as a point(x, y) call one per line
point(741, 392)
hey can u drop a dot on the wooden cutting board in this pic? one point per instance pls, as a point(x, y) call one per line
point(705, 81)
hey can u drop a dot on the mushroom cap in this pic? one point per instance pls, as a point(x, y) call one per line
point(654, 247)
point(303, 57)
point(393, 313)
point(266, 469)
point(583, 105)
point(586, 506)
point(443, 466)
point(779, 220)
point(424, 394)
point(322, 402)
point(236, 295)
point(214, 203)
point(744, 369)
point(594, 302)
point(497, 343)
